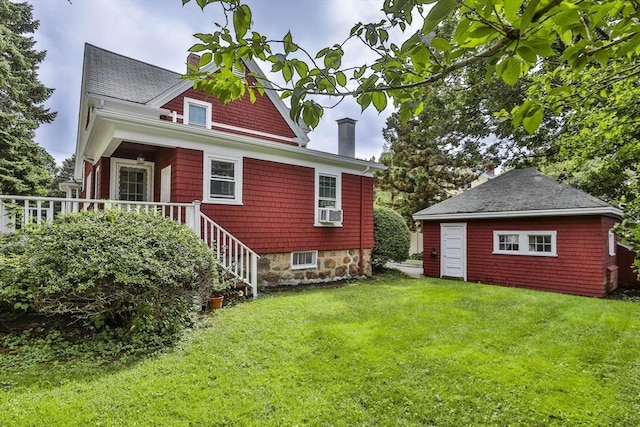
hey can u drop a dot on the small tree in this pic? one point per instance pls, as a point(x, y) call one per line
point(391, 238)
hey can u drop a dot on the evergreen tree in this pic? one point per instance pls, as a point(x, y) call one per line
point(62, 174)
point(25, 167)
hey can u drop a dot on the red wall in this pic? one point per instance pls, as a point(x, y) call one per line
point(262, 116)
point(580, 267)
point(277, 214)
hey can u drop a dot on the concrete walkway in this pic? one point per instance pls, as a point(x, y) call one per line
point(411, 270)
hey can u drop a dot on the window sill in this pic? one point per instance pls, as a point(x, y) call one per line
point(222, 202)
point(327, 225)
point(304, 267)
point(535, 254)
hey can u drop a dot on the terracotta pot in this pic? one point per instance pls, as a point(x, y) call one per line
point(215, 303)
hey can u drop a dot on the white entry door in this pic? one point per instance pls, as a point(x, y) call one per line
point(453, 250)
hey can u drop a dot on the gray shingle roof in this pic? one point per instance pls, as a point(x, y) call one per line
point(519, 190)
point(116, 76)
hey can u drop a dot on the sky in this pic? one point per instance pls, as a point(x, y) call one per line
point(160, 32)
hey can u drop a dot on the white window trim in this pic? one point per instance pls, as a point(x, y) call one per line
point(338, 177)
point(185, 111)
point(116, 164)
point(612, 243)
point(305, 266)
point(238, 161)
point(523, 242)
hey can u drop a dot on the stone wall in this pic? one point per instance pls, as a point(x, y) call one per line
point(275, 269)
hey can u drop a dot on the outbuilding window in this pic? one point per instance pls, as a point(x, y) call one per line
point(536, 243)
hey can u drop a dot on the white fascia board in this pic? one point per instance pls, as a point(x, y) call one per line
point(168, 134)
point(301, 135)
point(78, 172)
point(106, 102)
point(605, 210)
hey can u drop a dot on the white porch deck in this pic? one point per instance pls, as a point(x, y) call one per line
point(233, 256)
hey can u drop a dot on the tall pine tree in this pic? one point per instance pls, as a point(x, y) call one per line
point(24, 165)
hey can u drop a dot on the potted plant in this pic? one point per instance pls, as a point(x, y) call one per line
point(216, 297)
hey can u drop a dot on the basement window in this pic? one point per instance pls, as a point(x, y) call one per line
point(307, 259)
point(536, 243)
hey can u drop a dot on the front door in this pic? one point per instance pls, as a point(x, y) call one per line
point(453, 258)
point(131, 180)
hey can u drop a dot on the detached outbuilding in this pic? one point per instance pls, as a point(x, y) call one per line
point(523, 229)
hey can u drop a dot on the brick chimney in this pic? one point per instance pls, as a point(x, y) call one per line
point(193, 59)
point(347, 137)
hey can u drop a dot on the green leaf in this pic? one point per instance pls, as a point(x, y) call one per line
point(510, 69)
point(301, 68)
point(359, 72)
point(364, 100)
point(437, 13)
point(533, 118)
point(379, 100)
point(205, 59)
point(527, 16)
point(341, 78)
point(441, 44)
point(511, 8)
point(197, 48)
point(527, 54)
point(287, 71)
point(241, 20)
point(289, 46)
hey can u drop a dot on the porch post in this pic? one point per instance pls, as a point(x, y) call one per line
point(195, 216)
point(254, 274)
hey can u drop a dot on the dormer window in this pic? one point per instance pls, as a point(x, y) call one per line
point(197, 113)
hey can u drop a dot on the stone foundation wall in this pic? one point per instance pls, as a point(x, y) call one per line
point(275, 269)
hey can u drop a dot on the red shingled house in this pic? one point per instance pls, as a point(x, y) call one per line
point(145, 135)
point(523, 229)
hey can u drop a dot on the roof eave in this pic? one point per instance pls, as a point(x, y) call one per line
point(604, 210)
point(182, 131)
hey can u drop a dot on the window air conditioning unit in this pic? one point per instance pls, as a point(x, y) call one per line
point(330, 216)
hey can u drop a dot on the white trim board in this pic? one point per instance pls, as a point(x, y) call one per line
point(605, 210)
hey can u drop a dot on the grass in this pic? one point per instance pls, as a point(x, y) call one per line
point(394, 352)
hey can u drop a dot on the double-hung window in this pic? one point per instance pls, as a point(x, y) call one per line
point(538, 243)
point(197, 113)
point(328, 203)
point(327, 191)
point(223, 180)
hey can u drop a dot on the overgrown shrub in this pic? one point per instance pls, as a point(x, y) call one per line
point(108, 270)
point(392, 237)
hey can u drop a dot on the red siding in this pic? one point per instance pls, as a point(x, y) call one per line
point(580, 267)
point(105, 174)
point(277, 214)
point(262, 116)
point(165, 157)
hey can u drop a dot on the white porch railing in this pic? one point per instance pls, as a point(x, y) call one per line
point(235, 257)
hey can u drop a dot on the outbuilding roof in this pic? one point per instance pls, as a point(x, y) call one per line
point(518, 193)
point(117, 76)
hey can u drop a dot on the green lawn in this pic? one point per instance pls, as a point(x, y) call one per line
point(391, 352)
